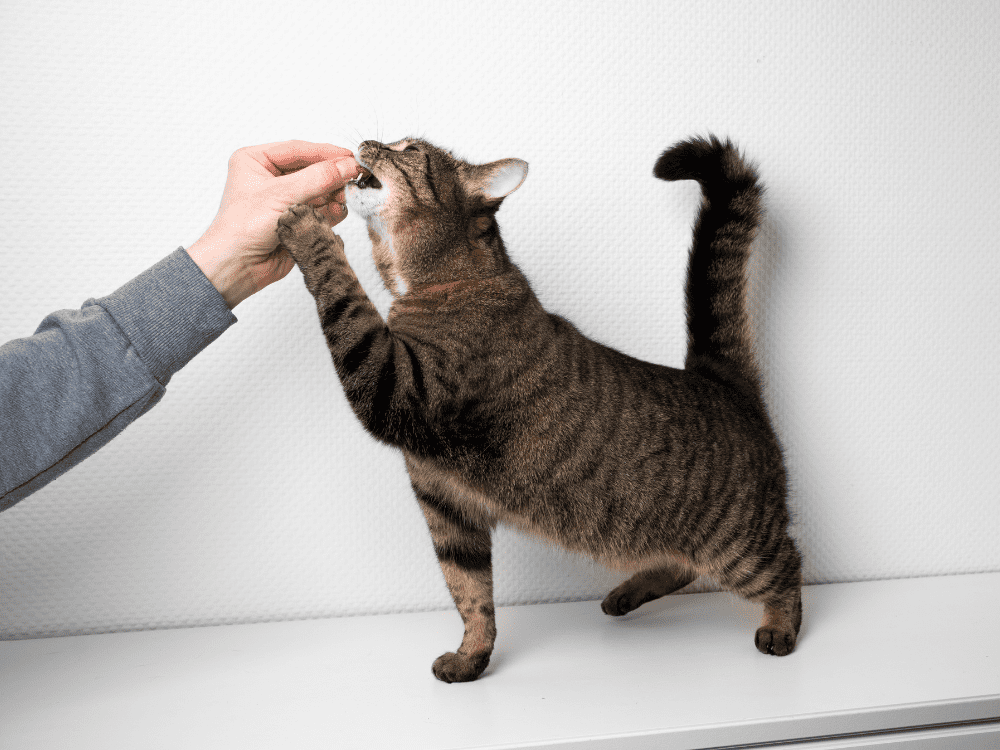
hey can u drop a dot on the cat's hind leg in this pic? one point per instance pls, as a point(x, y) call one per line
point(779, 631)
point(647, 585)
point(773, 578)
point(463, 550)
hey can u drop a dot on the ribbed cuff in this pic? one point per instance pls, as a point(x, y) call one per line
point(169, 312)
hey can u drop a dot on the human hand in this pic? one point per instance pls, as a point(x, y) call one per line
point(239, 251)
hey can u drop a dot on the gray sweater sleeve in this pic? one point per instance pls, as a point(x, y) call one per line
point(86, 374)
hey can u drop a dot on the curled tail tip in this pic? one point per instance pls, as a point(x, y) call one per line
point(705, 160)
point(685, 160)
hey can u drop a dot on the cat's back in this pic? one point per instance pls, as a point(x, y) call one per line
point(585, 381)
point(537, 382)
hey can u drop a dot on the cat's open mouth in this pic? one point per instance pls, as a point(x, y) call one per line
point(366, 180)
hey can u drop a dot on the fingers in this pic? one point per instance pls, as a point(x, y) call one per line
point(319, 180)
point(338, 196)
point(288, 156)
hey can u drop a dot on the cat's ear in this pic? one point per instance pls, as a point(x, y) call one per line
point(498, 179)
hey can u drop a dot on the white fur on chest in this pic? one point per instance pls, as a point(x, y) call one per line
point(368, 203)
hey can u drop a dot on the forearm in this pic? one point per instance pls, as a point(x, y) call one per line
point(86, 374)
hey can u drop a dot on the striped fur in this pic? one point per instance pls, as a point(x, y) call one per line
point(507, 414)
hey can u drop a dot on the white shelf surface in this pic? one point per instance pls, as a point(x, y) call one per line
point(681, 672)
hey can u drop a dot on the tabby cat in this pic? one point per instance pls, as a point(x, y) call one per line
point(506, 413)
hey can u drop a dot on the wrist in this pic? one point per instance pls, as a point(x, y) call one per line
point(215, 257)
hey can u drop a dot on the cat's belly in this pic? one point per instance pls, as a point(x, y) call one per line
point(473, 502)
point(481, 505)
point(487, 508)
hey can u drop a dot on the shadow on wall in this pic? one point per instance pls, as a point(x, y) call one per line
point(765, 301)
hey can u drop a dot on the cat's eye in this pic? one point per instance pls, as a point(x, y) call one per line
point(411, 147)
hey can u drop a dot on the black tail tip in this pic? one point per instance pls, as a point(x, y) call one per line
point(701, 159)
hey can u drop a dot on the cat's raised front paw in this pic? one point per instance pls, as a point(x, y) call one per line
point(306, 235)
point(298, 220)
point(452, 667)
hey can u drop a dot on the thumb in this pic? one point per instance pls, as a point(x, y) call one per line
point(319, 179)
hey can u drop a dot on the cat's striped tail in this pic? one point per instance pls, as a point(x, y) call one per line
point(720, 341)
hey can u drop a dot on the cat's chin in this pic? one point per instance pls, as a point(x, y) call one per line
point(365, 193)
point(364, 202)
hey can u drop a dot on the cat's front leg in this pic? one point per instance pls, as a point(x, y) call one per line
point(383, 376)
point(463, 550)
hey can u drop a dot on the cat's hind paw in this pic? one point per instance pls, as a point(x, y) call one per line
point(773, 641)
point(452, 667)
point(645, 586)
point(623, 600)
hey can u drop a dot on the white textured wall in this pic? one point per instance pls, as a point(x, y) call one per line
point(251, 493)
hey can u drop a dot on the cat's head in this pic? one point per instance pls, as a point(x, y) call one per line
point(430, 215)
